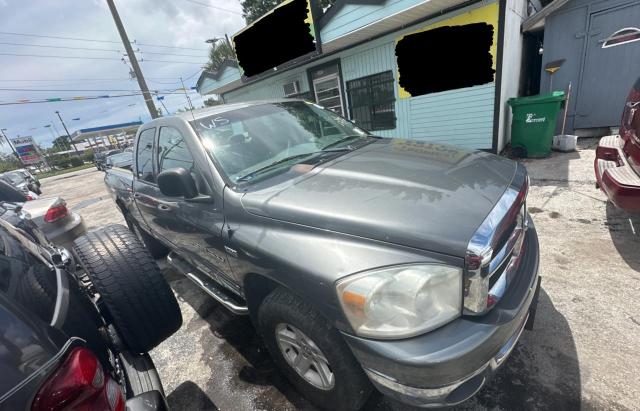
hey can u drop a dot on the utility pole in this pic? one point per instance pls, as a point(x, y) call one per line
point(67, 131)
point(134, 61)
point(11, 145)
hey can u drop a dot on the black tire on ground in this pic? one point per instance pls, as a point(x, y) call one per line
point(131, 287)
point(37, 190)
point(141, 374)
point(155, 247)
point(351, 388)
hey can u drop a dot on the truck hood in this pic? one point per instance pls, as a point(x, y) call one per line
point(420, 195)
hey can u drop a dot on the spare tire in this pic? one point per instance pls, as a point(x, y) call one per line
point(137, 298)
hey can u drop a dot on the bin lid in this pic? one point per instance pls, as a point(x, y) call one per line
point(540, 98)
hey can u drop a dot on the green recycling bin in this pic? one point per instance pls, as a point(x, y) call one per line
point(534, 124)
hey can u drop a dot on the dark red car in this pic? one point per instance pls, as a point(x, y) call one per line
point(617, 161)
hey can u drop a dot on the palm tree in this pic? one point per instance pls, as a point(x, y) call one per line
point(220, 51)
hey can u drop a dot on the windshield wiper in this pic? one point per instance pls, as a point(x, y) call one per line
point(269, 166)
point(343, 140)
point(252, 174)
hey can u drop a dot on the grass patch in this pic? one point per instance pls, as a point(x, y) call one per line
point(64, 171)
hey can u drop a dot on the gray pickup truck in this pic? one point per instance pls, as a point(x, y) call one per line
point(363, 261)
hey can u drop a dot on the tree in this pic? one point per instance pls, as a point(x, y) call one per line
point(61, 143)
point(8, 162)
point(220, 51)
point(212, 101)
point(254, 9)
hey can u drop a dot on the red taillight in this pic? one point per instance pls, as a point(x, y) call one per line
point(29, 198)
point(56, 212)
point(79, 384)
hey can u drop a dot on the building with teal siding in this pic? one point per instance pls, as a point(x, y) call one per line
point(433, 70)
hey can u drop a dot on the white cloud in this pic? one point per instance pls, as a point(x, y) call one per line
point(158, 22)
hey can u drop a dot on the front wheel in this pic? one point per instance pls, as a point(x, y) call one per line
point(311, 353)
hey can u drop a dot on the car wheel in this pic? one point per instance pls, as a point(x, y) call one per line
point(155, 247)
point(140, 373)
point(311, 353)
point(136, 296)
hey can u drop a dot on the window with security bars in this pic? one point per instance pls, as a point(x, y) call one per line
point(372, 101)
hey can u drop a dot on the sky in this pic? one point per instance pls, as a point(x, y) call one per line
point(98, 70)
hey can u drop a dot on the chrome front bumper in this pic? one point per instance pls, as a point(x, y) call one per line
point(452, 394)
point(449, 365)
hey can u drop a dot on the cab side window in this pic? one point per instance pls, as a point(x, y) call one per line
point(173, 151)
point(144, 156)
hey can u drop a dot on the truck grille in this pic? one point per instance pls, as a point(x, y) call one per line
point(493, 254)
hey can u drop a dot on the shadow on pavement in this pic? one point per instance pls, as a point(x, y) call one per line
point(554, 170)
point(625, 234)
point(188, 396)
point(244, 349)
point(542, 372)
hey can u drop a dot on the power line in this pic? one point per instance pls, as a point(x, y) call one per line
point(75, 80)
point(58, 47)
point(96, 40)
point(214, 7)
point(59, 37)
point(95, 49)
point(168, 54)
point(65, 80)
point(95, 58)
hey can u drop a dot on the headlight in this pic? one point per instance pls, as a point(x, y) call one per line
point(401, 301)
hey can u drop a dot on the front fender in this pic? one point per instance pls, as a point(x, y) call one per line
point(308, 261)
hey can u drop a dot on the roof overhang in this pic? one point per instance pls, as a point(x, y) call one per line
point(397, 21)
point(105, 131)
point(537, 21)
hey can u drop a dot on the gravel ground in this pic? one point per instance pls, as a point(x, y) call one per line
point(582, 353)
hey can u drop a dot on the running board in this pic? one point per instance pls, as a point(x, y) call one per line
point(208, 286)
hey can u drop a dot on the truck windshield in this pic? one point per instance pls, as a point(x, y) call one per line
point(272, 136)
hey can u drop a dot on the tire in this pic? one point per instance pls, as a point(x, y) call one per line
point(37, 190)
point(351, 387)
point(136, 296)
point(155, 247)
point(140, 373)
point(37, 290)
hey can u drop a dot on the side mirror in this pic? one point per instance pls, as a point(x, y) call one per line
point(177, 182)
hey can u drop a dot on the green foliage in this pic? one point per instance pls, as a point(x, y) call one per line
point(60, 144)
point(88, 156)
point(60, 162)
point(210, 102)
point(220, 51)
point(76, 161)
point(9, 162)
point(254, 9)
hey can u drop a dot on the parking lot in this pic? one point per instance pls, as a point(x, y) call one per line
point(582, 353)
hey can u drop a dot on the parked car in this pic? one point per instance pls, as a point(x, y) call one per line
point(121, 160)
point(100, 157)
point(50, 214)
point(76, 336)
point(30, 177)
point(362, 261)
point(22, 182)
point(617, 163)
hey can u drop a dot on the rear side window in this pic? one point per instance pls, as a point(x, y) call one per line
point(173, 151)
point(144, 156)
